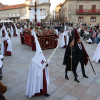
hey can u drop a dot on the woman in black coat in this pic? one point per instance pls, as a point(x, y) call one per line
point(68, 57)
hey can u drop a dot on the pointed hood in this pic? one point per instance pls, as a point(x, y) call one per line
point(39, 57)
point(76, 37)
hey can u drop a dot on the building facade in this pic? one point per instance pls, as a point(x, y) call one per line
point(80, 11)
point(1, 5)
point(58, 7)
point(42, 10)
point(20, 11)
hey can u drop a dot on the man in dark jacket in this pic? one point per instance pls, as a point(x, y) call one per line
point(81, 56)
point(70, 59)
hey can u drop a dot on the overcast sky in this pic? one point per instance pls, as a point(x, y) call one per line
point(12, 2)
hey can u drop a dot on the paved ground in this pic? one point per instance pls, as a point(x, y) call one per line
point(16, 69)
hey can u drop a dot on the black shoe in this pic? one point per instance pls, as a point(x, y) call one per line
point(0, 78)
point(76, 80)
point(47, 95)
point(66, 77)
point(85, 76)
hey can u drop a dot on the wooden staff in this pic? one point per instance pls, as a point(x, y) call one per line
point(51, 56)
point(65, 41)
point(92, 67)
point(5, 48)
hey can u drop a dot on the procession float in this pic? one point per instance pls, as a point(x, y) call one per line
point(46, 37)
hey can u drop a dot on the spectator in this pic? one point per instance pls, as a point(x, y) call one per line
point(98, 38)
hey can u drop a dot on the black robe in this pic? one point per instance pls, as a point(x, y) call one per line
point(67, 59)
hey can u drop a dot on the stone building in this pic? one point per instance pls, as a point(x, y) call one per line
point(80, 11)
point(14, 12)
point(43, 9)
point(1, 5)
point(21, 11)
point(58, 7)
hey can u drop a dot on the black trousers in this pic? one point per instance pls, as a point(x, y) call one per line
point(74, 72)
point(82, 67)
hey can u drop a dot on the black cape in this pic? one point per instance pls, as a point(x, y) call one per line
point(67, 59)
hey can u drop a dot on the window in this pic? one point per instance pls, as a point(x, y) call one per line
point(2, 14)
point(13, 13)
point(6, 13)
point(93, 7)
point(17, 12)
point(9, 13)
point(93, 19)
point(80, 7)
point(80, 19)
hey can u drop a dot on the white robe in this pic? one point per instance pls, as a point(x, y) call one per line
point(63, 40)
point(57, 33)
point(1, 63)
point(96, 56)
point(21, 30)
point(35, 78)
point(12, 31)
point(9, 48)
point(16, 29)
point(89, 41)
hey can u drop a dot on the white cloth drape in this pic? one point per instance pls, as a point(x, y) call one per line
point(89, 41)
point(12, 31)
point(63, 40)
point(9, 48)
point(96, 56)
point(16, 29)
point(57, 32)
point(21, 30)
point(3, 28)
point(1, 57)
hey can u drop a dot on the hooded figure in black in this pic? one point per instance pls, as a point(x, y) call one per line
point(68, 57)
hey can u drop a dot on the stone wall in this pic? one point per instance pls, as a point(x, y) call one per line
point(69, 8)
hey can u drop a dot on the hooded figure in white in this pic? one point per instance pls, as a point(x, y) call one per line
point(3, 28)
point(16, 29)
point(12, 31)
point(21, 30)
point(96, 57)
point(1, 63)
point(35, 78)
point(64, 34)
point(9, 48)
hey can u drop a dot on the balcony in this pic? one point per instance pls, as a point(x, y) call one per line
point(88, 12)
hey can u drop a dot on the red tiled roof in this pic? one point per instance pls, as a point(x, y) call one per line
point(1, 3)
point(13, 6)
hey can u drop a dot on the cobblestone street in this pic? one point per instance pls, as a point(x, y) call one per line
point(16, 68)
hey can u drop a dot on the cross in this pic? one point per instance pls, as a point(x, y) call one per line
point(42, 62)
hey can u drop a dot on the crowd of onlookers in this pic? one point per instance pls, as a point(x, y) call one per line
point(91, 34)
